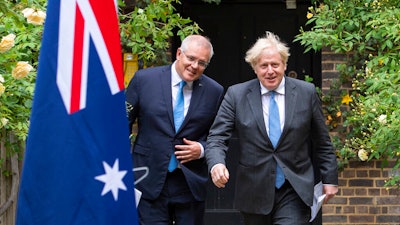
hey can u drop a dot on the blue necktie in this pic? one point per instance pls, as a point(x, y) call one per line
point(274, 135)
point(179, 116)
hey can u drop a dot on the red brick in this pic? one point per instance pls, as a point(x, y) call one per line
point(349, 209)
point(387, 201)
point(342, 183)
point(347, 191)
point(375, 173)
point(328, 209)
point(374, 191)
point(336, 219)
point(362, 173)
point(361, 210)
point(360, 201)
point(332, 57)
point(388, 219)
point(358, 164)
point(327, 67)
point(361, 219)
point(394, 191)
point(338, 201)
point(361, 192)
point(361, 183)
point(349, 173)
point(374, 210)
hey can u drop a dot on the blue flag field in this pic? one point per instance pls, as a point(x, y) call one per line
point(77, 167)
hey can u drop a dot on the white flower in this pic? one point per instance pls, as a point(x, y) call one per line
point(362, 155)
point(382, 119)
point(1, 79)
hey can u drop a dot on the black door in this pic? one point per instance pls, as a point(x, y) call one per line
point(233, 26)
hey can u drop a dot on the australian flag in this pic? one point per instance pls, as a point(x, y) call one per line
point(77, 166)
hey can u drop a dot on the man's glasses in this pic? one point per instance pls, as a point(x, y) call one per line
point(193, 59)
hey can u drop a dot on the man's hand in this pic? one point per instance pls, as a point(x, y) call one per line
point(330, 191)
point(191, 150)
point(220, 175)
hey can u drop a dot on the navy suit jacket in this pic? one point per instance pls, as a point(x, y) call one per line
point(241, 111)
point(149, 101)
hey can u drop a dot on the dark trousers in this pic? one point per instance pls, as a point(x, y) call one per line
point(288, 209)
point(175, 205)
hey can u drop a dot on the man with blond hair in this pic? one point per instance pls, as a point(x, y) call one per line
point(281, 128)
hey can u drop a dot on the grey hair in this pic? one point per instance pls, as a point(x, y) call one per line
point(199, 40)
point(270, 40)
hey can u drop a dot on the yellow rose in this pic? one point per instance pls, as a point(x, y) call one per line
point(35, 17)
point(309, 15)
point(2, 89)
point(362, 155)
point(21, 70)
point(7, 42)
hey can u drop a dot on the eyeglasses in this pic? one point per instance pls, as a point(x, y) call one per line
point(193, 59)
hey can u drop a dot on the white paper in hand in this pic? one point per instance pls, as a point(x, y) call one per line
point(318, 200)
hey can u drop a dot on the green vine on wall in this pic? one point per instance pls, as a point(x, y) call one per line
point(367, 32)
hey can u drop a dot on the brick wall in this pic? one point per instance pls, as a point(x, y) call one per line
point(362, 197)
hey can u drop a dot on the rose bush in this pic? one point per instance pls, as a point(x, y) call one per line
point(367, 33)
point(20, 32)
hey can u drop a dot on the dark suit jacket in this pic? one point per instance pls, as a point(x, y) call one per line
point(149, 94)
point(241, 111)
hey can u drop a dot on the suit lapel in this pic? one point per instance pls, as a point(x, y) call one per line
point(290, 104)
point(166, 93)
point(197, 93)
point(254, 98)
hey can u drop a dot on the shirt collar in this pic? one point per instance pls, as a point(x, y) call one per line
point(176, 79)
point(280, 89)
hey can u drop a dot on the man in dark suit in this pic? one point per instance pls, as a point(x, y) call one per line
point(275, 175)
point(174, 191)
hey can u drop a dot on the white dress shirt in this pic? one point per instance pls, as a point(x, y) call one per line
point(187, 89)
point(187, 95)
point(280, 100)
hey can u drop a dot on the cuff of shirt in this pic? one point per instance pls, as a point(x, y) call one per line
point(201, 150)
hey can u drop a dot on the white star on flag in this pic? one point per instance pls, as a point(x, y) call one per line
point(112, 179)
